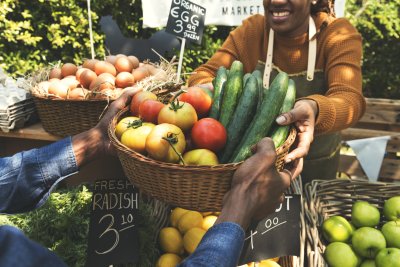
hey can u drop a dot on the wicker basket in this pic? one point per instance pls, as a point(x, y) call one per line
point(198, 188)
point(69, 117)
point(162, 213)
point(335, 197)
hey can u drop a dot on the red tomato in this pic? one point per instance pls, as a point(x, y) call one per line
point(138, 99)
point(200, 100)
point(149, 109)
point(180, 114)
point(210, 134)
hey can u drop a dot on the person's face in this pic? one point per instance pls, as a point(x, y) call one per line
point(288, 17)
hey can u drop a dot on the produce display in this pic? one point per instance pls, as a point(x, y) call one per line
point(361, 241)
point(97, 79)
point(195, 126)
point(183, 234)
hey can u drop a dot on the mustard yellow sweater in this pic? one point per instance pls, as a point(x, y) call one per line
point(339, 52)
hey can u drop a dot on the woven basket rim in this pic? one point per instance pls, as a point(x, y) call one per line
point(122, 148)
point(44, 98)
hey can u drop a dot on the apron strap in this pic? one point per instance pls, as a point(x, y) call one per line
point(312, 49)
point(268, 61)
point(312, 54)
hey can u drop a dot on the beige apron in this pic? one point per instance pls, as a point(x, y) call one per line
point(323, 158)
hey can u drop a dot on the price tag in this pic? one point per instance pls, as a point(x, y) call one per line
point(113, 238)
point(186, 20)
point(276, 235)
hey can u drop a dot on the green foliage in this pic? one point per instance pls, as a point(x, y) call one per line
point(39, 32)
point(379, 24)
point(62, 225)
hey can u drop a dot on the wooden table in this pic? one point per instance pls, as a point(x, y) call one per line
point(35, 136)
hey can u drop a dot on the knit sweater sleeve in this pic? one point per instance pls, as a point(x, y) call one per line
point(343, 104)
point(244, 44)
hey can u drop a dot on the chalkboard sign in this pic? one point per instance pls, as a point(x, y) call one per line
point(113, 238)
point(186, 20)
point(275, 236)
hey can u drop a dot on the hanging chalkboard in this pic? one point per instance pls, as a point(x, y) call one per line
point(186, 20)
point(276, 235)
point(113, 238)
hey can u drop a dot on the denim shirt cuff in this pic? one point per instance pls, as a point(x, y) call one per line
point(56, 162)
point(221, 246)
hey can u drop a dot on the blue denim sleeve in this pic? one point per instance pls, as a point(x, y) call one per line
point(27, 178)
point(220, 246)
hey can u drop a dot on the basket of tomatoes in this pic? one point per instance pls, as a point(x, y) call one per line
point(71, 99)
point(183, 149)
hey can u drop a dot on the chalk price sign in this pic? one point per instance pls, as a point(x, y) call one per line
point(113, 238)
point(276, 235)
point(186, 20)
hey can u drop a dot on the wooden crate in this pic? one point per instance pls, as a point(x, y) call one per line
point(382, 117)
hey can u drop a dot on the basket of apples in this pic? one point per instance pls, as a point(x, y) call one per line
point(352, 223)
point(71, 99)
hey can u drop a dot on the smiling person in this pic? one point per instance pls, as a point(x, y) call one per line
point(322, 54)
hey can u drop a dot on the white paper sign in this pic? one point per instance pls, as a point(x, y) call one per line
point(370, 153)
point(219, 12)
point(339, 8)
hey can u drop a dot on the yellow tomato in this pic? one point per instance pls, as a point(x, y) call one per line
point(166, 142)
point(123, 125)
point(135, 138)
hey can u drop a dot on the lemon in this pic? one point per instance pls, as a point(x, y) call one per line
point(168, 260)
point(176, 214)
point(268, 263)
point(208, 222)
point(192, 239)
point(189, 220)
point(206, 213)
point(170, 240)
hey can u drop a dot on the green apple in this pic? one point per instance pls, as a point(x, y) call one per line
point(391, 231)
point(391, 208)
point(200, 157)
point(367, 241)
point(388, 257)
point(337, 229)
point(368, 263)
point(364, 214)
point(338, 254)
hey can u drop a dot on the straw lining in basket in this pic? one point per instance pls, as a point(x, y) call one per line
point(199, 188)
point(335, 197)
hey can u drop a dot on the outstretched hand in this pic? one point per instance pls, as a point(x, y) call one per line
point(303, 116)
point(95, 142)
point(116, 106)
point(257, 187)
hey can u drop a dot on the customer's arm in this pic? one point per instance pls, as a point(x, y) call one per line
point(27, 178)
point(257, 189)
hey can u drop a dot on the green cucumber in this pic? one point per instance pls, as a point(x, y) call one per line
point(265, 117)
point(245, 78)
point(232, 92)
point(280, 132)
point(241, 117)
point(219, 84)
point(258, 75)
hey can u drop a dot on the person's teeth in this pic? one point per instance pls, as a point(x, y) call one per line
point(280, 14)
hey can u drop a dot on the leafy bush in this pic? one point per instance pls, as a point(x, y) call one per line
point(379, 24)
point(39, 32)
